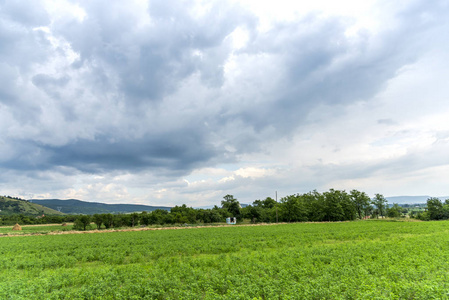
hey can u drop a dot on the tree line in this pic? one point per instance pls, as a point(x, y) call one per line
point(436, 210)
point(333, 205)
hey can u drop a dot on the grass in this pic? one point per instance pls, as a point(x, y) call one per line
point(34, 229)
point(350, 260)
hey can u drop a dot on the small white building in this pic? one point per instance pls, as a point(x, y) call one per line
point(231, 221)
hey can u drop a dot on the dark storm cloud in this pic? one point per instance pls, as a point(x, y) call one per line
point(151, 59)
point(128, 63)
point(177, 152)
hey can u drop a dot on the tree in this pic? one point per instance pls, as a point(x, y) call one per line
point(134, 219)
point(82, 222)
point(158, 216)
point(124, 220)
point(361, 203)
point(253, 213)
point(349, 212)
point(267, 203)
point(435, 208)
point(108, 220)
point(314, 205)
point(395, 211)
point(292, 209)
point(98, 220)
point(333, 206)
point(144, 218)
point(231, 205)
point(210, 215)
point(380, 202)
point(184, 214)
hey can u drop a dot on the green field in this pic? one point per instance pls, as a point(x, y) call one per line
point(351, 260)
point(34, 229)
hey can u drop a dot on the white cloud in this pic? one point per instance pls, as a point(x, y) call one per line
point(187, 103)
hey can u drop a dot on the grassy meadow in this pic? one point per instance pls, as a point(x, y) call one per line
point(34, 229)
point(347, 260)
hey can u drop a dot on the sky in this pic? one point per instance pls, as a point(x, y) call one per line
point(183, 102)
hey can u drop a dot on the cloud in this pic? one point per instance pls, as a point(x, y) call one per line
point(172, 88)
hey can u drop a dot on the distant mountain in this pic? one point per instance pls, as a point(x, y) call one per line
point(12, 206)
point(412, 199)
point(73, 206)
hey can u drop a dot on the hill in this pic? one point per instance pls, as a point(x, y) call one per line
point(74, 206)
point(412, 199)
point(11, 206)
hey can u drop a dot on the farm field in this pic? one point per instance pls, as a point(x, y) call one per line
point(349, 260)
point(34, 229)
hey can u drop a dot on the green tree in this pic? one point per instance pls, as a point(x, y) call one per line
point(158, 216)
point(134, 219)
point(118, 220)
point(184, 214)
point(125, 220)
point(435, 208)
point(267, 203)
point(231, 205)
point(380, 202)
point(108, 220)
point(333, 209)
point(98, 220)
point(314, 205)
point(395, 211)
point(82, 222)
point(292, 209)
point(144, 218)
point(210, 215)
point(254, 213)
point(361, 202)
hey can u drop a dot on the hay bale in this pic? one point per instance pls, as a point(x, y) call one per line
point(17, 227)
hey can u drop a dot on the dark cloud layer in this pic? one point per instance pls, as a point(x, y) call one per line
point(100, 106)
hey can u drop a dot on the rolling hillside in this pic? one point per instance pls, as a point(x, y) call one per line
point(412, 199)
point(73, 206)
point(11, 206)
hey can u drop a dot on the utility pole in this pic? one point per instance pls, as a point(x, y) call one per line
point(276, 206)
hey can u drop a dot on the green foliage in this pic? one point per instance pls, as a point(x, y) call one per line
point(34, 229)
point(73, 206)
point(334, 205)
point(13, 205)
point(381, 203)
point(436, 210)
point(353, 260)
point(98, 220)
point(82, 223)
point(362, 203)
point(108, 220)
point(231, 205)
point(213, 215)
point(292, 209)
point(395, 211)
point(267, 203)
